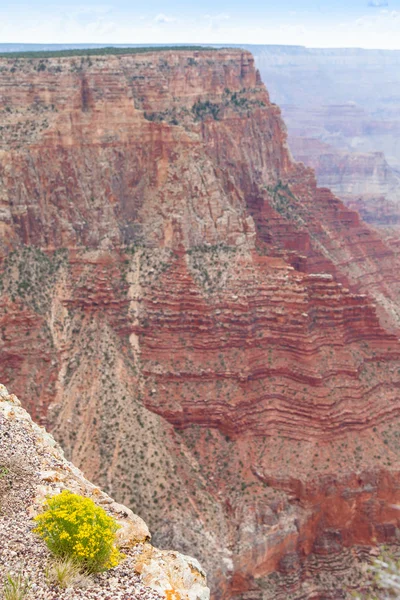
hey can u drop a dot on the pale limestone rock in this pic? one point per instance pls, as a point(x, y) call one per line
point(3, 391)
point(120, 509)
point(175, 575)
point(51, 476)
point(133, 531)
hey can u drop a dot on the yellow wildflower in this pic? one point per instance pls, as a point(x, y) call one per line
point(74, 526)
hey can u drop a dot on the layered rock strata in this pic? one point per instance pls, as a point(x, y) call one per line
point(208, 334)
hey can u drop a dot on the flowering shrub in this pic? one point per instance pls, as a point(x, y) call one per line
point(75, 527)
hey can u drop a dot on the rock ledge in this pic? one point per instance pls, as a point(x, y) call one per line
point(33, 467)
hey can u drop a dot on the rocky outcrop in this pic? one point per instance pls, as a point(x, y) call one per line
point(33, 468)
point(208, 334)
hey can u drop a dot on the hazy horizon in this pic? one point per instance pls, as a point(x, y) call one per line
point(17, 46)
point(364, 24)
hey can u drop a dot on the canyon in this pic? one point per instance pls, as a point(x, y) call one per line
point(341, 106)
point(209, 335)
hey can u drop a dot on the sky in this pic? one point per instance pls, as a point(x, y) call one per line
point(312, 23)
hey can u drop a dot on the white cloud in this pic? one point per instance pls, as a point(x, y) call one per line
point(385, 22)
point(91, 10)
point(65, 27)
point(215, 21)
point(219, 17)
point(161, 18)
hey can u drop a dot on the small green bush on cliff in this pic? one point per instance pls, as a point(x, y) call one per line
point(201, 110)
point(75, 527)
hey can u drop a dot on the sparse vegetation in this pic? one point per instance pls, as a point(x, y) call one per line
point(29, 274)
point(66, 572)
point(213, 265)
point(173, 116)
point(16, 586)
point(239, 101)
point(201, 110)
point(385, 574)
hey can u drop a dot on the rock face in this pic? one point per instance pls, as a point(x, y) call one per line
point(209, 335)
point(33, 468)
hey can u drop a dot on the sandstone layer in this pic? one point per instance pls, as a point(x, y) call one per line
point(208, 334)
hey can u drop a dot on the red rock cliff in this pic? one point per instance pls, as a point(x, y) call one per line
point(209, 335)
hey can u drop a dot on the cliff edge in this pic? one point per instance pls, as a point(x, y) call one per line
point(33, 467)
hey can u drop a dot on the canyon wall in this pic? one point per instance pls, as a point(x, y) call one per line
point(209, 335)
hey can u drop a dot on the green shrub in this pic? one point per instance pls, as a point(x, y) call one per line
point(202, 110)
point(75, 527)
